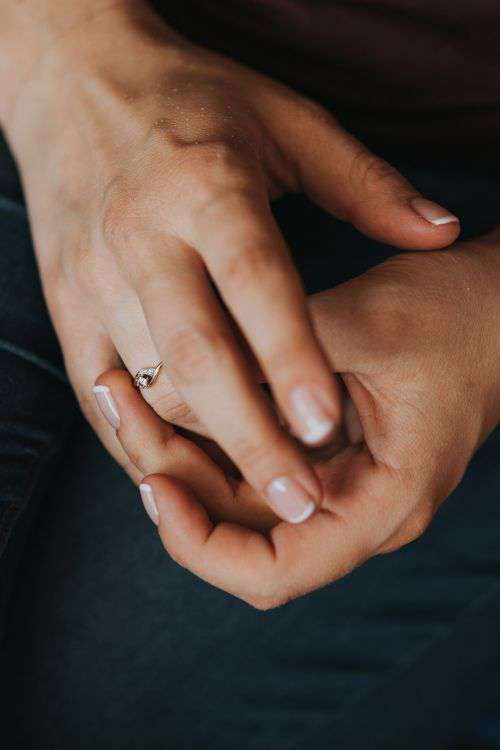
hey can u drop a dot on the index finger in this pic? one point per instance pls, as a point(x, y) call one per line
point(268, 570)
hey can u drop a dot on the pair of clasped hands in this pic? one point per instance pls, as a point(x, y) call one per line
point(150, 210)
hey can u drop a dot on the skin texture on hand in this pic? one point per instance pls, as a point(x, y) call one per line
point(148, 166)
point(418, 344)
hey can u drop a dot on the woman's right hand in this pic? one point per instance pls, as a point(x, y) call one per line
point(149, 165)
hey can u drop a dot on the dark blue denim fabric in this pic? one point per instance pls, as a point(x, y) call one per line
point(109, 643)
point(36, 404)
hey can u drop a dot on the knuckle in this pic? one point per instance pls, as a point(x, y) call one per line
point(371, 172)
point(263, 604)
point(253, 455)
point(420, 525)
point(306, 112)
point(218, 157)
point(195, 350)
point(243, 269)
point(393, 545)
point(130, 469)
point(208, 166)
point(267, 598)
point(216, 178)
point(216, 200)
point(286, 358)
point(120, 222)
point(137, 458)
point(172, 409)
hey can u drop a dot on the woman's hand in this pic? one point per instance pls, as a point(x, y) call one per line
point(148, 166)
point(417, 341)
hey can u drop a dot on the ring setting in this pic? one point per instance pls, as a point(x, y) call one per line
point(146, 376)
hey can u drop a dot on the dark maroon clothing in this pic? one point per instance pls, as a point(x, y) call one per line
point(399, 71)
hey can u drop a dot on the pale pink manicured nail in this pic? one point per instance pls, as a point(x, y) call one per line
point(432, 212)
point(289, 500)
point(315, 424)
point(149, 502)
point(106, 404)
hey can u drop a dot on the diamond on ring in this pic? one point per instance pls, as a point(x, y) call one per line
point(145, 377)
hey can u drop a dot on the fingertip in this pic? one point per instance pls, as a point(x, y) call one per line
point(432, 212)
point(439, 226)
point(414, 224)
point(107, 404)
point(318, 433)
point(149, 502)
point(115, 396)
point(315, 413)
point(180, 516)
point(115, 376)
point(290, 500)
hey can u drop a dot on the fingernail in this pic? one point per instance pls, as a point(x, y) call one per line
point(289, 500)
point(106, 404)
point(148, 501)
point(432, 212)
point(315, 424)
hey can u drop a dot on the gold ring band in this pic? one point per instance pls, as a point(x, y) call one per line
point(146, 376)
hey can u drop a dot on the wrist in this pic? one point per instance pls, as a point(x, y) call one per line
point(40, 42)
point(483, 254)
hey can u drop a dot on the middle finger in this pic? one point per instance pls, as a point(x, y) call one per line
point(195, 340)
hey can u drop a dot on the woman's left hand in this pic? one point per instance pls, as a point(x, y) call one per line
point(417, 341)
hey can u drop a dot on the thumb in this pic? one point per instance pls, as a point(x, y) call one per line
point(342, 176)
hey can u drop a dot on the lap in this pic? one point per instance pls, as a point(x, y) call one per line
point(111, 643)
